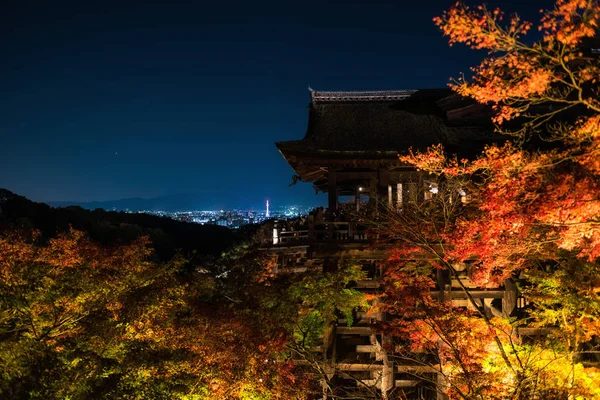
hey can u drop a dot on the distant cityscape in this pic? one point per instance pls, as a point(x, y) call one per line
point(233, 219)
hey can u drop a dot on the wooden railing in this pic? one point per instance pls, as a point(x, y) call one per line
point(291, 236)
point(337, 231)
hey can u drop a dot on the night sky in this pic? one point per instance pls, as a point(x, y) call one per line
point(105, 100)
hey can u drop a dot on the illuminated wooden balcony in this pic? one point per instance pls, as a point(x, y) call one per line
point(327, 232)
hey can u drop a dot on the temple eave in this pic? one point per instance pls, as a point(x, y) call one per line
point(311, 164)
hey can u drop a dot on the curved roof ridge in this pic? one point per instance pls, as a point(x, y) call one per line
point(365, 95)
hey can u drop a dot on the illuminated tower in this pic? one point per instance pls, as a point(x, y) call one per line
point(267, 214)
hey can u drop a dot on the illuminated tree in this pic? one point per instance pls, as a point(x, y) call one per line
point(57, 299)
point(534, 214)
point(80, 320)
point(317, 300)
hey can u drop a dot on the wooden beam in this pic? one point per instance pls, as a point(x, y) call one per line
point(351, 175)
point(477, 294)
point(355, 330)
point(366, 348)
point(406, 383)
point(366, 175)
point(534, 331)
point(368, 283)
point(357, 367)
point(416, 369)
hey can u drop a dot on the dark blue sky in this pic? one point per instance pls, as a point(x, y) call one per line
point(105, 100)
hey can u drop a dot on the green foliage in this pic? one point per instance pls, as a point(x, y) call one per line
point(308, 329)
point(321, 298)
point(329, 292)
point(249, 392)
point(564, 296)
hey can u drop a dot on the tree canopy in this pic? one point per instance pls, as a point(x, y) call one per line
point(533, 215)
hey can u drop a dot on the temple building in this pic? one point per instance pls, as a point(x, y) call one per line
point(353, 140)
point(350, 151)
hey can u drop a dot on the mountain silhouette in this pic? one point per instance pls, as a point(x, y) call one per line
point(175, 202)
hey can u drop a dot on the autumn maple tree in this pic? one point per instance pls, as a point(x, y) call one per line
point(80, 319)
point(83, 320)
point(533, 216)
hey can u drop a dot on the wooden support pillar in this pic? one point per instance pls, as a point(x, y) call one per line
point(332, 203)
point(325, 389)
point(413, 192)
point(448, 292)
point(383, 183)
point(380, 189)
point(399, 196)
point(332, 192)
point(509, 301)
point(441, 284)
point(442, 386)
point(328, 342)
point(387, 379)
point(379, 316)
point(427, 194)
point(373, 190)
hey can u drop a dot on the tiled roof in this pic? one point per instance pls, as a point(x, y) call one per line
point(391, 121)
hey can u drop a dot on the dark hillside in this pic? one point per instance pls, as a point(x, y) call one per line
point(110, 227)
